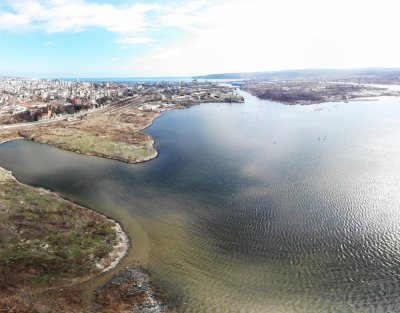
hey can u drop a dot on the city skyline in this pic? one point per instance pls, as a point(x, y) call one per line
point(106, 38)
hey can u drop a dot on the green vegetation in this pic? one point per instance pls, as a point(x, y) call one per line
point(44, 239)
point(89, 144)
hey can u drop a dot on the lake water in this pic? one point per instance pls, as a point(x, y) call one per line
point(253, 207)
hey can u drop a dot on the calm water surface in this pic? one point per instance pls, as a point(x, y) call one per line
point(254, 207)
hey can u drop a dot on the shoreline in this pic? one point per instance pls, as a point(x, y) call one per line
point(123, 241)
point(63, 291)
point(120, 248)
point(117, 136)
point(148, 117)
point(114, 259)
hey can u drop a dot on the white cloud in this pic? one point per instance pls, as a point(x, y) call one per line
point(256, 35)
point(227, 35)
point(74, 15)
point(134, 40)
point(186, 16)
point(10, 21)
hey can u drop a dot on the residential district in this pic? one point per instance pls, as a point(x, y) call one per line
point(27, 100)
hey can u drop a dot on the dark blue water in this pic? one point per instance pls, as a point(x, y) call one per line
point(253, 207)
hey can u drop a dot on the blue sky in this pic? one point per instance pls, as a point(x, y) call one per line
point(127, 38)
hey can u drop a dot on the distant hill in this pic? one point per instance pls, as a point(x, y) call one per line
point(366, 73)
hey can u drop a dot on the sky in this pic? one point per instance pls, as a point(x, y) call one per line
point(128, 38)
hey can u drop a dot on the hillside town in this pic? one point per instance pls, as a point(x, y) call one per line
point(28, 100)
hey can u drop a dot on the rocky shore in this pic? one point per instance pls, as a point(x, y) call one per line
point(128, 291)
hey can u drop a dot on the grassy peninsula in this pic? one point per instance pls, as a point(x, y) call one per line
point(48, 243)
point(113, 134)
